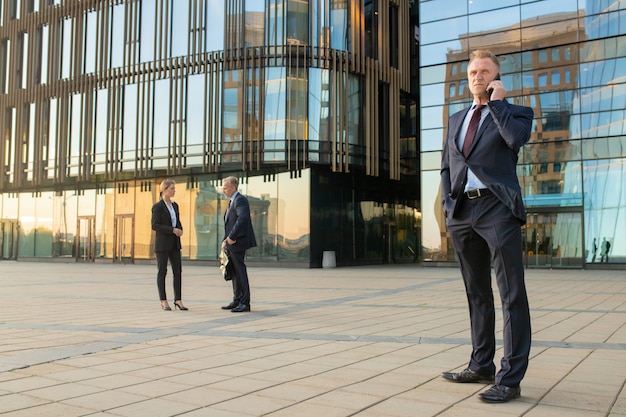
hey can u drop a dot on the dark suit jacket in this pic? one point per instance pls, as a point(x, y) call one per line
point(238, 225)
point(492, 157)
point(165, 240)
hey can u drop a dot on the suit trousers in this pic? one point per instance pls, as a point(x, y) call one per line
point(241, 286)
point(174, 257)
point(485, 230)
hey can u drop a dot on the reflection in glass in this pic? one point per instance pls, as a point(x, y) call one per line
point(117, 35)
point(266, 212)
point(275, 114)
point(91, 49)
point(146, 194)
point(28, 224)
point(553, 240)
point(66, 48)
point(605, 204)
point(44, 226)
point(180, 29)
point(292, 211)
point(214, 28)
point(129, 126)
point(159, 132)
point(75, 137)
point(233, 129)
point(148, 33)
point(65, 206)
point(207, 205)
point(105, 214)
point(101, 130)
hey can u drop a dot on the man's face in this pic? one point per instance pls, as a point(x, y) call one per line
point(228, 189)
point(480, 72)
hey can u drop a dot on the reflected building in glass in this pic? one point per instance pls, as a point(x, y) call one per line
point(332, 114)
point(567, 60)
point(307, 102)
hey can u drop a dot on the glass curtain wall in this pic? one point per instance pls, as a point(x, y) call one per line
point(100, 102)
point(571, 71)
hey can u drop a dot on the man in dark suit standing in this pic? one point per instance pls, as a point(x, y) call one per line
point(238, 237)
point(482, 202)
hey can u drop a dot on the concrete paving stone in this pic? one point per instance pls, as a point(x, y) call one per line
point(620, 404)
point(583, 387)
point(252, 405)
point(23, 384)
point(14, 402)
point(342, 398)
point(155, 388)
point(243, 384)
point(374, 387)
point(499, 410)
point(202, 396)
point(292, 391)
point(544, 410)
point(155, 372)
point(436, 395)
point(305, 408)
point(401, 407)
point(52, 410)
point(154, 407)
point(208, 411)
point(105, 400)
point(63, 391)
point(115, 381)
point(590, 401)
point(77, 375)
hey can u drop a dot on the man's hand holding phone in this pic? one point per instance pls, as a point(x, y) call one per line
point(495, 89)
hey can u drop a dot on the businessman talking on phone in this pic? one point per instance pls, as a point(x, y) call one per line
point(482, 203)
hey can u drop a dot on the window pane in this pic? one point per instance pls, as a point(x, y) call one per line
point(117, 36)
point(146, 43)
point(214, 30)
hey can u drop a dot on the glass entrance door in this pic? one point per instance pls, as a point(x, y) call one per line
point(86, 239)
point(8, 239)
point(553, 240)
point(123, 243)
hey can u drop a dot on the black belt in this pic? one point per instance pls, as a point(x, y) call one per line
point(481, 192)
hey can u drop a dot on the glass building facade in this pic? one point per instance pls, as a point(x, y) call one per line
point(332, 114)
point(567, 60)
point(307, 102)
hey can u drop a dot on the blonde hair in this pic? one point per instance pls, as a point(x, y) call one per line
point(165, 184)
point(232, 181)
point(482, 53)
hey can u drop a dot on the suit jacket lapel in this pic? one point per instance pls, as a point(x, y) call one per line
point(481, 129)
point(458, 125)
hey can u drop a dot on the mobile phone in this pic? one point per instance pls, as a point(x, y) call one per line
point(491, 89)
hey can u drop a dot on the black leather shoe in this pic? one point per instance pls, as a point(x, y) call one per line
point(500, 394)
point(468, 376)
point(241, 308)
point(230, 306)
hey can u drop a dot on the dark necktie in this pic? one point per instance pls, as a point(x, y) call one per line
point(471, 129)
point(227, 209)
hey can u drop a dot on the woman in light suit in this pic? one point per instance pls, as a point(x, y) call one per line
point(166, 224)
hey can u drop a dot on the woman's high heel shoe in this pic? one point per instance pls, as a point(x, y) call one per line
point(181, 307)
point(166, 308)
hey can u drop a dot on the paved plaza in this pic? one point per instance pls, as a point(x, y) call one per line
point(92, 340)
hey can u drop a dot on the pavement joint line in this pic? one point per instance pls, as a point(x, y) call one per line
point(40, 356)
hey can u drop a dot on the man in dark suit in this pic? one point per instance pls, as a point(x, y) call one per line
point(238, 237)
point(482, 202)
